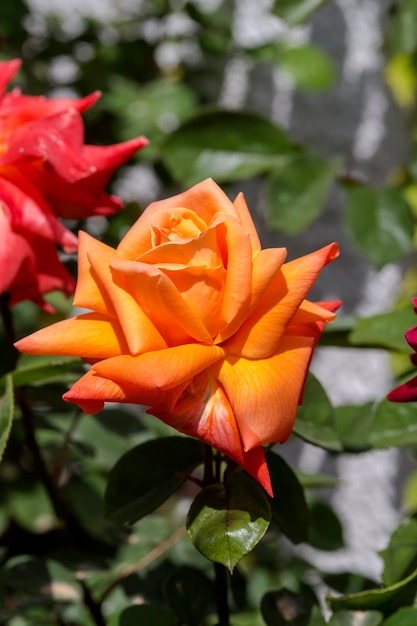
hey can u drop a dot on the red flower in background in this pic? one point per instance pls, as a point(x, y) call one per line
point(47, 172)
point(408, 391)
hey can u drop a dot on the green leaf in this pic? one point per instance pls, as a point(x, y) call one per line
point(189, 594)
point(147, 475)
point(353, 425)
point(385, 600)
point(296, 11)
point(385, 330)
point(316, 481)
point(226, 146)
point(357, 618)
point(6, 413)
point(146, 614)
point(380, 224)
point(226, 521)
point(406, 616)
point(394, 424)
point(402, 27)
point(326, 532)
point(311, 68)
point(400, 557)
point(288, 506)
point(295, 195)
point(285, 608)
point(315, 418)
point(40, 370)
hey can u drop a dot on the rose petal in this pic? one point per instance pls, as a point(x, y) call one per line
point(92, 391)
point(88, 336)
point(264, 393)
point(161, 369)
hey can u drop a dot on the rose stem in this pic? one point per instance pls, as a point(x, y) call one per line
point(220, 571)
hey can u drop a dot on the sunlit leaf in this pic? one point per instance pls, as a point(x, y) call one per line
point(380, 224)
point(296, 11)
point(296, 194)
point(226, 521)
point(402, 27)
point(353, 424)
point(385, 330)
point(405, 616)
point(315, 418)
point(288, 506)
point(400, 557)
point(147, 475)
point(225, 145)
point(394, 424)
point(311, 68)
point(385, 600)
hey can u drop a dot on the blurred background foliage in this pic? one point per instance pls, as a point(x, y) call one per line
point(163, 67)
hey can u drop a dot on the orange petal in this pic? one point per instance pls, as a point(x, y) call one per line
point(247, 222)
point(140, 332)
point(264, 394)
point(157, 295)
point(89, 336)
point(89, 293)
point(203, 411)
point(161, 369)
point(309, 312)
point(238, 255)
point(260, 334)
point(92, 391)
point(206, 199)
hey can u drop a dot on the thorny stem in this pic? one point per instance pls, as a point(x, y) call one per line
point(220, 571)
point(64, 517)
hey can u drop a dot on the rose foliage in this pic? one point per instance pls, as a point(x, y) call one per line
point(47, 172)
point(191, 317)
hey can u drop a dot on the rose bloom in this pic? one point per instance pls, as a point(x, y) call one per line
point(408, 391)
point(190, 317)
point(46, 172)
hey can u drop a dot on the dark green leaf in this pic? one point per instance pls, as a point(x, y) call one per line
point(146, 614)
point(326, 531)
point(315, 418)
point(189, 594)
point(226, 521)
point(380, 223)
point(6, 413)
point(385, 600)
point(400, 557)
point(147, 475)
point(295, 195)
point(225, 146)
point(405, 616)
point(296, 11)
point(353, 425)
point(47, 578)
point(285, 608)
point(310, 67)
point(316, 617)
point(394, 424)
point(288, 506)
point(40, 370)
point(357, 618)
point(385, 330)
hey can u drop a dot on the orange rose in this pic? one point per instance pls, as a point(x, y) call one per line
point(192, 318)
